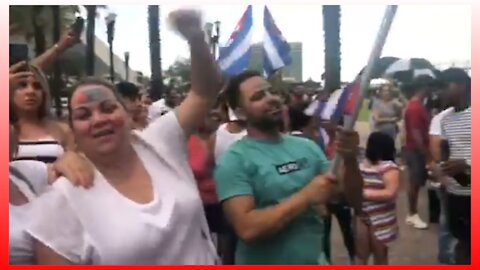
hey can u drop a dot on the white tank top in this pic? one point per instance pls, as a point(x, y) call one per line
point(46, 150)
point(224, 139)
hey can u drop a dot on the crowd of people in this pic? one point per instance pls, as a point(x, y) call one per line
point(235, 172)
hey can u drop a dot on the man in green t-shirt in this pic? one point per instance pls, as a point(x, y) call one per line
point(270, 183)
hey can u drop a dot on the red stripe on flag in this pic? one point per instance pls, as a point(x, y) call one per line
point(353, 97)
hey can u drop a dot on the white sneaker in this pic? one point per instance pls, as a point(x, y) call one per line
point(416, 222)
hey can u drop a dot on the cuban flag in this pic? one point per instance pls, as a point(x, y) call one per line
point(234, 57)
point(276, 49)
point(341, 102)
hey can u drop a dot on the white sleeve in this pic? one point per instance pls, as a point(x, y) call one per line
point(36, 173)
point(167, 134)
point(435, 126)
point(53, 223)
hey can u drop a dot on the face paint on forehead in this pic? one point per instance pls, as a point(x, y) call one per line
point(93, 95)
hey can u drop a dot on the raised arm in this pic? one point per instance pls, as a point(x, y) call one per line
point(46, 60)
point(205, 76)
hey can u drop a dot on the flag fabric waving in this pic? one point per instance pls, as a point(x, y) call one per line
point(276, 49)
point(234, 57)
point(341, 102)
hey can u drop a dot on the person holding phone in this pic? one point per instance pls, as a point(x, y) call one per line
point(69, 38)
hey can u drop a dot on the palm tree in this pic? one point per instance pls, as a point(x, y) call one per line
point(156, 84)
point(331, 30)
point(92, 14)
point(90, 36)
point(56, 80)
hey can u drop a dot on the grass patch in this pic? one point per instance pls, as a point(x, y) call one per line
point(364, 112)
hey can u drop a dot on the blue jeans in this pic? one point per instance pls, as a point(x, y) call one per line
point(445, 239)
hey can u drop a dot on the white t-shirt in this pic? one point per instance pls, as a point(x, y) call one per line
point(224, 139)
point(456, 129)
point(101, 226)
point(20, 243)
point(435, 124)
point(157, 109)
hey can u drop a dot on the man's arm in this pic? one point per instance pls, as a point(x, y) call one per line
point(251, 224)
point(436, 148)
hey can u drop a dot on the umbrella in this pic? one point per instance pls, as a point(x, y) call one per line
point(408, 69)
point(381, 65)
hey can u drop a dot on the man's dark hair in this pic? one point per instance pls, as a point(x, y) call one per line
point(380, 147)
point(456, 75)
point(232, 91)
point(418, 84)
point(298, 119)
point(128, 90)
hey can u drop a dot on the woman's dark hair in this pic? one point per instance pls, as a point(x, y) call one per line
point(380, 146)
point(91, 81)
point(232, 91)
point(44, 109)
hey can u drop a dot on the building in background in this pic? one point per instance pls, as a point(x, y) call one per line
point(292, 72)
point(73, 61)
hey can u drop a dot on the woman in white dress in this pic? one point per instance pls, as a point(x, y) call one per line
point(144, 206)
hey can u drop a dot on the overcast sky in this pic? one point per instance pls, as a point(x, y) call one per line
point(440, 33)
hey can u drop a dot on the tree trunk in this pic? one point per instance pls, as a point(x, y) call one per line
point(331, 30)
point(90, 35)
point(156, 83)
point(57, 80)
point(38, 33)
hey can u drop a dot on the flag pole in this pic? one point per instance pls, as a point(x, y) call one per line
point(366, 75)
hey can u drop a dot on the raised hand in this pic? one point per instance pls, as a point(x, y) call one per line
point(18, 74)
point(68, 39)
point(187, 22)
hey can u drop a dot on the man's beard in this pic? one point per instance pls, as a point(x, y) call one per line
point(266, 124)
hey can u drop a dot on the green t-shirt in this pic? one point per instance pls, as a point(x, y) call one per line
point(272, 172)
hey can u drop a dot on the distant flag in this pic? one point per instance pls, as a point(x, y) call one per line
point(234, 57)
point(276, 49)
point(342, 102)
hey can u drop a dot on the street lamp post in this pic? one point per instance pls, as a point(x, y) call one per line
point(127, 66)
point(110, 22)
point(213, 37)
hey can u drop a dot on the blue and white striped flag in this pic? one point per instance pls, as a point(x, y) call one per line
point(276, 49)
point(234, 57)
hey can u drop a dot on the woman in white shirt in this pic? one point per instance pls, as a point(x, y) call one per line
point(27, 180)
point(144, 206)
